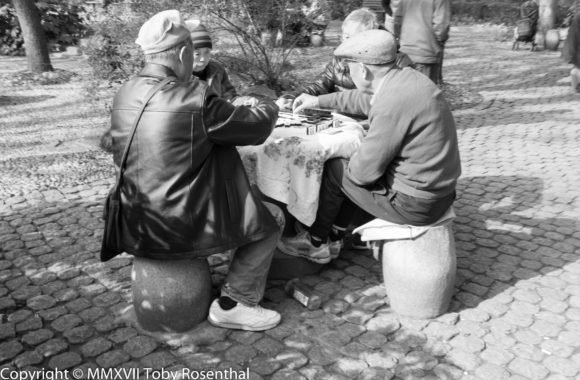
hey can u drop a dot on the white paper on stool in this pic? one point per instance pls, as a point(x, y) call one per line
point(379, 229)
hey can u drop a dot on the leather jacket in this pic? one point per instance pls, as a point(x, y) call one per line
point(185, 193)
point(336, 77)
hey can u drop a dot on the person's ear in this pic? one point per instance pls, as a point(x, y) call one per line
point(366, 73)
point(182, 52)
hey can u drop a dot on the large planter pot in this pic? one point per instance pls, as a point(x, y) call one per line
point(552, 39)
point(170, 295)
point(316, 40)
point(267, 38)
point(419, 274)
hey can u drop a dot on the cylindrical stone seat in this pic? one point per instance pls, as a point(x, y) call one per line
point(418, 263)
point(170, 295)
point(419, 273)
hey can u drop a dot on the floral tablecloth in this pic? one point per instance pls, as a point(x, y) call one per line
point(288, 166)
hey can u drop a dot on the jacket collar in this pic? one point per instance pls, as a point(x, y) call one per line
point(156, 70)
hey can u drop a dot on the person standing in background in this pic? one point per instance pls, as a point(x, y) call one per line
point(571, 51)
point(422, 29)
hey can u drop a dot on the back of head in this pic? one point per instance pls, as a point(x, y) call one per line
point(162, 32)
point(360, 19)
point(371, 47)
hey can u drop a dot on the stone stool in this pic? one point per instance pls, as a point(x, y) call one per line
point(170, 295)
point(419, 264)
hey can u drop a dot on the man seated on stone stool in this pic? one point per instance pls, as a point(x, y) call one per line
point(405, 170)
point(185, 194)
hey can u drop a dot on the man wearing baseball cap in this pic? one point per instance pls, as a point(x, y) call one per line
point(407, 166)
point(185, 194)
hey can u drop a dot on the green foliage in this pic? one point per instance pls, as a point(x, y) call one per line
point(111, 50)
point(11, 41)
point(264, 34)
point(61, 22)
point(238, 28)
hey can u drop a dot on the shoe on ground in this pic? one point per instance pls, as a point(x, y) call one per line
point(335, 247)
point(243, 317)
point(301, 246)
point(358, 244)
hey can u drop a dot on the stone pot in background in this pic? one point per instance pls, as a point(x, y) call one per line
point(552, 39)
point(316, 40)
point(267, 38)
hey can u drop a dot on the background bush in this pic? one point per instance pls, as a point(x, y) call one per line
point(63, 24)
point(237, 28)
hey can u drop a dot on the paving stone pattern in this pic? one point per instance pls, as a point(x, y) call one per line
point(515, 313)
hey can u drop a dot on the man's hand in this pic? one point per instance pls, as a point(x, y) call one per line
point(284, 103)
point(245, 101)
point(304, 101)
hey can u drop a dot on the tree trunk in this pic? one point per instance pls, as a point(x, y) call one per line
point(34, 38)
point(548, 12)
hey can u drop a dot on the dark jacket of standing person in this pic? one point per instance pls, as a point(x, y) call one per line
point(422, 27)
point(530, 11)
point(571, 51)
point(185, 193)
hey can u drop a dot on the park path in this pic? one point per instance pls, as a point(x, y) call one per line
point(515, 313)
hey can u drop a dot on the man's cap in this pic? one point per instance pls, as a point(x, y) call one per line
point(162, 32)
point(373, 47)
point(199, 34)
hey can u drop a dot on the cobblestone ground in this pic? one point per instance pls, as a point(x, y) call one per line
point(516, 309)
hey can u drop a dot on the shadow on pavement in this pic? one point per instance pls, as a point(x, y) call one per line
point(502, 238)
point(50, 275)
point(17, 99)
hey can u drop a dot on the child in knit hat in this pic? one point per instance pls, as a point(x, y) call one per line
point(204, 67)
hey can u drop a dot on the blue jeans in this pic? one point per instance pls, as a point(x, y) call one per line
point(339, 199)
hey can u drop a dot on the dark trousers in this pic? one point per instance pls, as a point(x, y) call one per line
point(340, 199)
point(432, 70)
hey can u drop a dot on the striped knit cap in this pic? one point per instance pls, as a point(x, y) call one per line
point(199, 35)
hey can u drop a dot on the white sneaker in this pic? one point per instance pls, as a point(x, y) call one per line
point(243, 317)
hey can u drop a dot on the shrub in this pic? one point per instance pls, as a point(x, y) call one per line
point(114, 56)
point(11, 41)
point(264, 33)
point(62, 23)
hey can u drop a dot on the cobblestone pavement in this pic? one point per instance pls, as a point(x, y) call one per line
point(515, 313)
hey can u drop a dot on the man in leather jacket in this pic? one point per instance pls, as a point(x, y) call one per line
point(185, 194)
point(335, 76)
